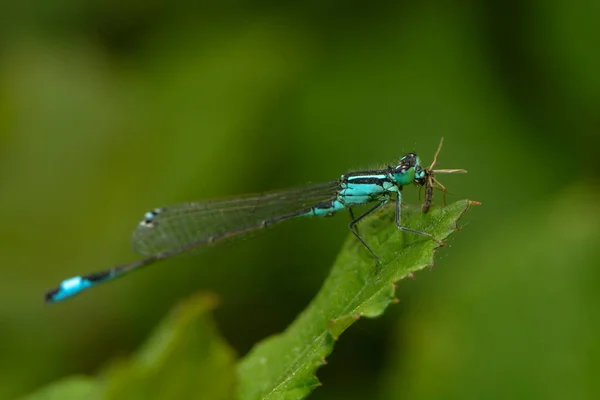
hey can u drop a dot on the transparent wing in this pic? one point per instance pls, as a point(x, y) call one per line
point(173, 227)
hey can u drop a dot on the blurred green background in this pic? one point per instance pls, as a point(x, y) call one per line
point(108, 109)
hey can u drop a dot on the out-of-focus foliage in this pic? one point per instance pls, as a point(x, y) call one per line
point(183, 359)
point(109, 109)
point(533, 314)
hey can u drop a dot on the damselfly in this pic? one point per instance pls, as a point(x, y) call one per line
point(168, 231)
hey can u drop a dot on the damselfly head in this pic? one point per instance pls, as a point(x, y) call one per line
point(409, 170)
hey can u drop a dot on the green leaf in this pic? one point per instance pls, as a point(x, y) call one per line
point(183, 359)
point(74, 387)
point(283, 366)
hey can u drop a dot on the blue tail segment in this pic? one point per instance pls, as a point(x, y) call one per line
point(73, 286)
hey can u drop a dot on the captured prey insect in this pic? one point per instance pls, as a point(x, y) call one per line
point(432, 183)
point(169, 231)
